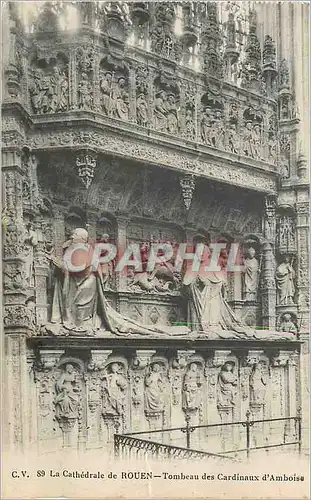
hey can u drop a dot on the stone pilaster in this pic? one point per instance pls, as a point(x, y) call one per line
point(16, 409)
point(268, 289)
point(302, 209)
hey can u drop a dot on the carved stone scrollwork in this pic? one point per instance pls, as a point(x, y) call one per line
point(286, 235)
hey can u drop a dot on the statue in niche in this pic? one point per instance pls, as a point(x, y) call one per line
point(154, 390)
point(287, 324)
point(67, 399)
point(247, 140)
point(227, 386)
point(172, 114)
point(206, 127)
point(285, 276)
point(142, 110)
point(233, 139)
point(59, 81)
point(160, 111)
point(40, 92)
point(114, 391)
point(120, 100)
point(85, 91)
point(217, 132)
point(251, 275)
point(31, 242)
point(256, 141)
point(105, 87)
point(191, 395)
point(273, 149)
point(190, 127)
point(79, 303)
point(258, 381)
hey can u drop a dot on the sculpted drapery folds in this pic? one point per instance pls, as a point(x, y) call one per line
point(251, 276)
point(114, 391)
point(191, 394)
point(80, 305)
point(67, 397)
point(154, 390)
point(227, 386)
point(258, 383)
point(285, 276)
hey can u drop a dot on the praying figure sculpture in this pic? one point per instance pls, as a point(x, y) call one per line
point(114, 391)
point(79, 301)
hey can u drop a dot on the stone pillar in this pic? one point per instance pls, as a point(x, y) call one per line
point(121, 242)
point(16, 409)
point(73, 84)
point(268, 289)
point(302, 209)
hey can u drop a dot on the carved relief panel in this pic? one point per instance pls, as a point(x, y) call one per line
point(49, 85)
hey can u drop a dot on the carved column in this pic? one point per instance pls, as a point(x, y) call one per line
point(302, 209)
point(132, 95)
point(16, 410)
point(73, 100)
point(268, 288)
point(121, 242)
point(96, 80)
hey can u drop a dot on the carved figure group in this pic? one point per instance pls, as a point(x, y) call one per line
point(212, 128)
point(252, 140)
point(166, 112)
point(114, 96)
point(49, 93)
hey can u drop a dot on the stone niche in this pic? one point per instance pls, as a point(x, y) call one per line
point(80, 397)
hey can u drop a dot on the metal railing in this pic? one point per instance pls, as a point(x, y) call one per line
point(134, 444)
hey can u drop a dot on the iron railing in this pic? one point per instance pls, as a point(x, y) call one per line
point(133, 444)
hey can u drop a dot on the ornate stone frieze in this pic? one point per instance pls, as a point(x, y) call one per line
point(140, 151)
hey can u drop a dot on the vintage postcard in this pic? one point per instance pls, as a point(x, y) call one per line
point(155, 260)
